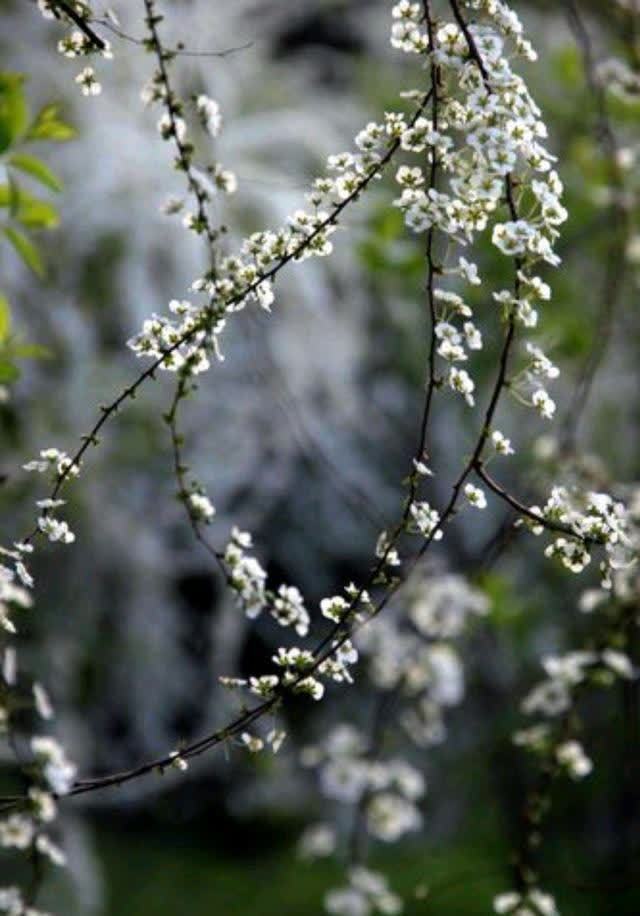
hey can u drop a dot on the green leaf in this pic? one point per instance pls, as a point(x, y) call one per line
point(37, 169)
point(5, 318)
point(30, 351)
point(36, 214)
point(29, 210)
point(26, 249)
point(8, 371)
point(13, 109)
point(10, 196)
point(47, 126)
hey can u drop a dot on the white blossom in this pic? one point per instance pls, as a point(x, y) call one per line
point(201, 507)
point(543, 403)
point(210, 116)
point(501, 444)
point(475, 496)
point(55, 529)
point(57, 769)
point(571, 756)
point(87, 81)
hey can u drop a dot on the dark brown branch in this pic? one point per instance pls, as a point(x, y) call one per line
point(524, 510)
point(107, 411)
point(180, 472)
point(344, 629)
point(184, 159)
point(82, 786)
point(473, 48)
point(431, 269)
point(219, 736)
point(82, 23)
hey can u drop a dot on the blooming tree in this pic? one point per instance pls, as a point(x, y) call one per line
point(467, 147)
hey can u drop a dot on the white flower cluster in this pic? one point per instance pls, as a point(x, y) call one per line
point(390, 789)
point(13, 904)
point(595, 518)
point(294, 663)
point(568, 755)
point(552, 697)
point(408, 658)
point(26, 830)
point(201, 507)
point(56, 530)
point(366, 894)
point(425, 520)
point(289, 610)
point(203, 184)
point(622, 581)
point(527, 386)
point(414, 656)
point(554, 739)
point(78, 43)
point(88, 83)
point(501, 444)
point(246, 576)
point(248, 580)
point(555, 697)
point(571, 756)
point(57, 770)
point(15, 583)
point(59, 466)
point(481, 143)
point(274, 739)
point(617, 77)
point(423, 669)
point(533, 902)
point(210, 115)
point(161, 336)
point(488, 130)
point(50, 774)
point(336, 666)
point(439, 607)
point(186, 338)
point(55, 463)
point(475, 496)
point(317, 841)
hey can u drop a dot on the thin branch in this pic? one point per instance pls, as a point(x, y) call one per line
point(82, 786)
point(180, 472)
point(179, 50)
point(431, 269)
point(327, 646)
point(80, 21)
point(473, 48)
point(172, 105)
point(108, 410)
point(529, 513)
point(344, 629)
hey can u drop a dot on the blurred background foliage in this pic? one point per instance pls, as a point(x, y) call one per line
point(302, 437)
point(23, 212)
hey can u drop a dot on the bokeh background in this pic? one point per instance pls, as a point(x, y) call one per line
point(301, 436)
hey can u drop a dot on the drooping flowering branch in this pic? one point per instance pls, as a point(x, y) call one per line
point(428, 523)
point(555, 741)
point(481, 167)
point(79, 18)
point(339, 634)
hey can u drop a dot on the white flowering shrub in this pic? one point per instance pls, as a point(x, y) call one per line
point(473, 178)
